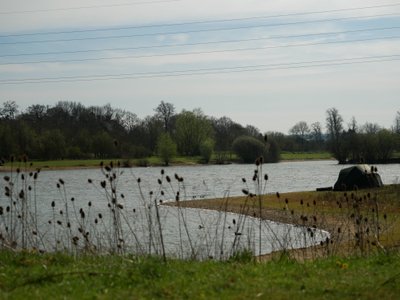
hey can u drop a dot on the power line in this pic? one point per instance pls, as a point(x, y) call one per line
point(85, 7)
point(203, 22)
point(199, 30)
point(202, 52)
point(207, 71)
point(204, 43)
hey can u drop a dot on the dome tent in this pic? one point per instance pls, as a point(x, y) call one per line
point(360, 176)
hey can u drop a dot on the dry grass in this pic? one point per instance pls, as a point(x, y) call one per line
point(359, 222)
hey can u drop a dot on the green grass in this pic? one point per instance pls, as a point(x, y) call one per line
point(92, 163)
point(305, 155)
point(59, 276)
point(153, 160)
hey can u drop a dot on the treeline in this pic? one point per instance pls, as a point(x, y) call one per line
point(369, 143)
point(71, 130)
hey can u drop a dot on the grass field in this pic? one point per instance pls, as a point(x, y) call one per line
point(153, 161)
point(94, 163)
point(305, 155)
point(59, 276)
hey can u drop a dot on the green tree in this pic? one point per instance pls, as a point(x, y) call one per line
point(248, 148)
point(192, 129)
point(52, 144)
point(274, 153)
point(166, 148)
point(206, 150)
point(386, 144)
point(103, 145)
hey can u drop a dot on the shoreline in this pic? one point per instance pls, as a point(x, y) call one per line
point(43, 166)
point(329, 211)
point(275, 214)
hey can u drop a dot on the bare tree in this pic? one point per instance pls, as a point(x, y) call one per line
point(316, 132)
point(353, 126)
point(165, 111)
point(9, 110)
point(397, 123)
point(334, 126)
point(371, 128)
point(300, 129)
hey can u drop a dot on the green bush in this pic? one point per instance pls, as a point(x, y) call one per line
point(206, 150)
point(166, 148)
point(249, 148)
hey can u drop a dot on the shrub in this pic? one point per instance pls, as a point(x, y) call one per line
point(206, 150)
point(248, 148)
point(166, 148)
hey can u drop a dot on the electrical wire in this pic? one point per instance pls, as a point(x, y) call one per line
point(198, 30)
point(203, 22)
point(203, 43)
point(208, 71)
point(201, 52)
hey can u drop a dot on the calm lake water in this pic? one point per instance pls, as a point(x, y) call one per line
point(210, 233)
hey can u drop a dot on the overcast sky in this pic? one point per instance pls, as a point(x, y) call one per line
point(265, 63)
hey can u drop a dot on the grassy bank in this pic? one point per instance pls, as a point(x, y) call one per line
point(58, 276)
point(360, 222)
point(154, 161)
point(305, 155)
point(95, 163)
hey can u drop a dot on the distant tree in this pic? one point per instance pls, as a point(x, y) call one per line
point(52, 144)
point(353, 126)
point(8, 145)
point(250, 130)
point(192, 129)
point(165, 111)
point(371, 128)
point(103, 145)
point(248, 148)
point(206, 150)
point(334, 126)
point(396, 127)
point(9, 110)
point(300, 131)
point(166, 148)
point(316, 135)
point(148, 133)
point(386, 144)
point(273, 155)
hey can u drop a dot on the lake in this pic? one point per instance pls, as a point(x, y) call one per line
point(145, 227)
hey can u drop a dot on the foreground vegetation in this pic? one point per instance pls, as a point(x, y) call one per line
point(360, 259)
point(360, 222)
point(60, 276)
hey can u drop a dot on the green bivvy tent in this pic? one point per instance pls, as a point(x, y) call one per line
point(358, 177)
